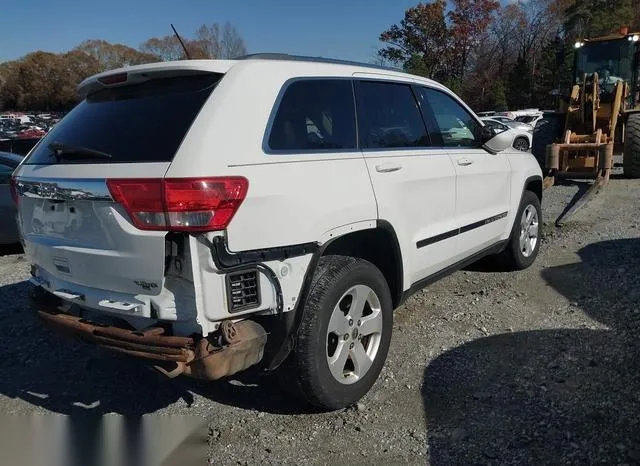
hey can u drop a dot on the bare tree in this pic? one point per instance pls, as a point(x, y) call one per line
point(220, 41)
point(168, 48)
point(110, 56)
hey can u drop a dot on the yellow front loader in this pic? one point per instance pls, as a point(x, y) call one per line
point(601, 116)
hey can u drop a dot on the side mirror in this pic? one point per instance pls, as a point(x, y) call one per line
point(488, 134)
point(498, 142)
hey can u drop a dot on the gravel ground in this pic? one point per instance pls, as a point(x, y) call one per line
point(485, 367)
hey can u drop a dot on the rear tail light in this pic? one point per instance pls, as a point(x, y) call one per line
point(180, 204)
point(14, 190)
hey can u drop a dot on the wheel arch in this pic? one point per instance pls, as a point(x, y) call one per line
point(533, 184)
point(378, 245)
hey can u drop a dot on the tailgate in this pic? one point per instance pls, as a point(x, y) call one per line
point(77, 233)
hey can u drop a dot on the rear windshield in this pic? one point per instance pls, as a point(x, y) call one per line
point(139, 123)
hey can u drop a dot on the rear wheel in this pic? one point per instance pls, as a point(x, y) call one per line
point(344, 335)
point(631, 157)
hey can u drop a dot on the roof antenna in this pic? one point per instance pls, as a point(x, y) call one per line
point(186, 52)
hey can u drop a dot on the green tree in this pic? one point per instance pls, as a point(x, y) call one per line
point(497, 97)
point(420, 43)
point(519, 84)
point(592, 18)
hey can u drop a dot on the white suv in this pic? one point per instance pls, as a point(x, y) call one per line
point(267, 213)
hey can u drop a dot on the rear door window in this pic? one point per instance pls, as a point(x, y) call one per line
point(388, 116)
point(139, 123)
point(315, 115)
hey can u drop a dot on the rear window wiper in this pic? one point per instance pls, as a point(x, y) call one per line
point(67, 151)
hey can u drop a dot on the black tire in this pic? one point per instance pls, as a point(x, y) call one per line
point(631, 157)
point(306, 370)
point(521, 143)
point(546, 132)
point(513, 253)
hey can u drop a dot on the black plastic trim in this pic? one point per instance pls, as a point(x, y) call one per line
point(290, 321)
point(417, 286)
point(481, 223)
point(449, 234)
point(228, 283)
point(384, 225)
point(529, 180)
point(226, 259)
point(434, 239)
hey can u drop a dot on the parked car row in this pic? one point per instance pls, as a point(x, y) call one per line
point(520, 122)
point(26, 126)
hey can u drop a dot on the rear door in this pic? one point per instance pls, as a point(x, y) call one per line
point(483, 180)
point(414, 183)
point(73, 230)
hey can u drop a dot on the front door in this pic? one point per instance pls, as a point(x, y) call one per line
point(483, 179)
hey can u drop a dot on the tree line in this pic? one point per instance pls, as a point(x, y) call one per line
point(495, 57)
point(501, 57)
point(47, 81)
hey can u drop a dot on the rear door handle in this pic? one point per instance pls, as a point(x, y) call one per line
point(388, 167)
point(464, 162)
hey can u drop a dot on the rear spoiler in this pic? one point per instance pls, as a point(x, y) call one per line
point(140, 73)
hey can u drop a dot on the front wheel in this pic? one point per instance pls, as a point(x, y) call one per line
point(524, 243)
point(631, 157)
point(344, 334)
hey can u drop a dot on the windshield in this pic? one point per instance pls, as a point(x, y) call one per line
point(610, 59)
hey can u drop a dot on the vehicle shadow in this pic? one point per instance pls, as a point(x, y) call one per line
point(548, 396)
point(68, 376)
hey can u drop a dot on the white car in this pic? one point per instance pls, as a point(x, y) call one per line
point(530, 120)
point(275, 213)
point(522, 139)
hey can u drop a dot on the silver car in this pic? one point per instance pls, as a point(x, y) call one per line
point(8, 225)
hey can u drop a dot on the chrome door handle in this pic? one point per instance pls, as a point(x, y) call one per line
point(388, 168)
point(464, 162)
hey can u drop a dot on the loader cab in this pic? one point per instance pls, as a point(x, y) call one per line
point(615, 58)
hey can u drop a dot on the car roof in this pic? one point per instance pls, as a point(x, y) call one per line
point(296, 63)
point(10, 157)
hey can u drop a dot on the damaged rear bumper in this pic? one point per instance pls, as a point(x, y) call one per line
point(231, 349)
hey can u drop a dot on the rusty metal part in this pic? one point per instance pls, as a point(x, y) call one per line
point(244, 351)
point(233, 348)
point(152, 345)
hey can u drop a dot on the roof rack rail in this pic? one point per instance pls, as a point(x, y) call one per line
point(333, 61)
